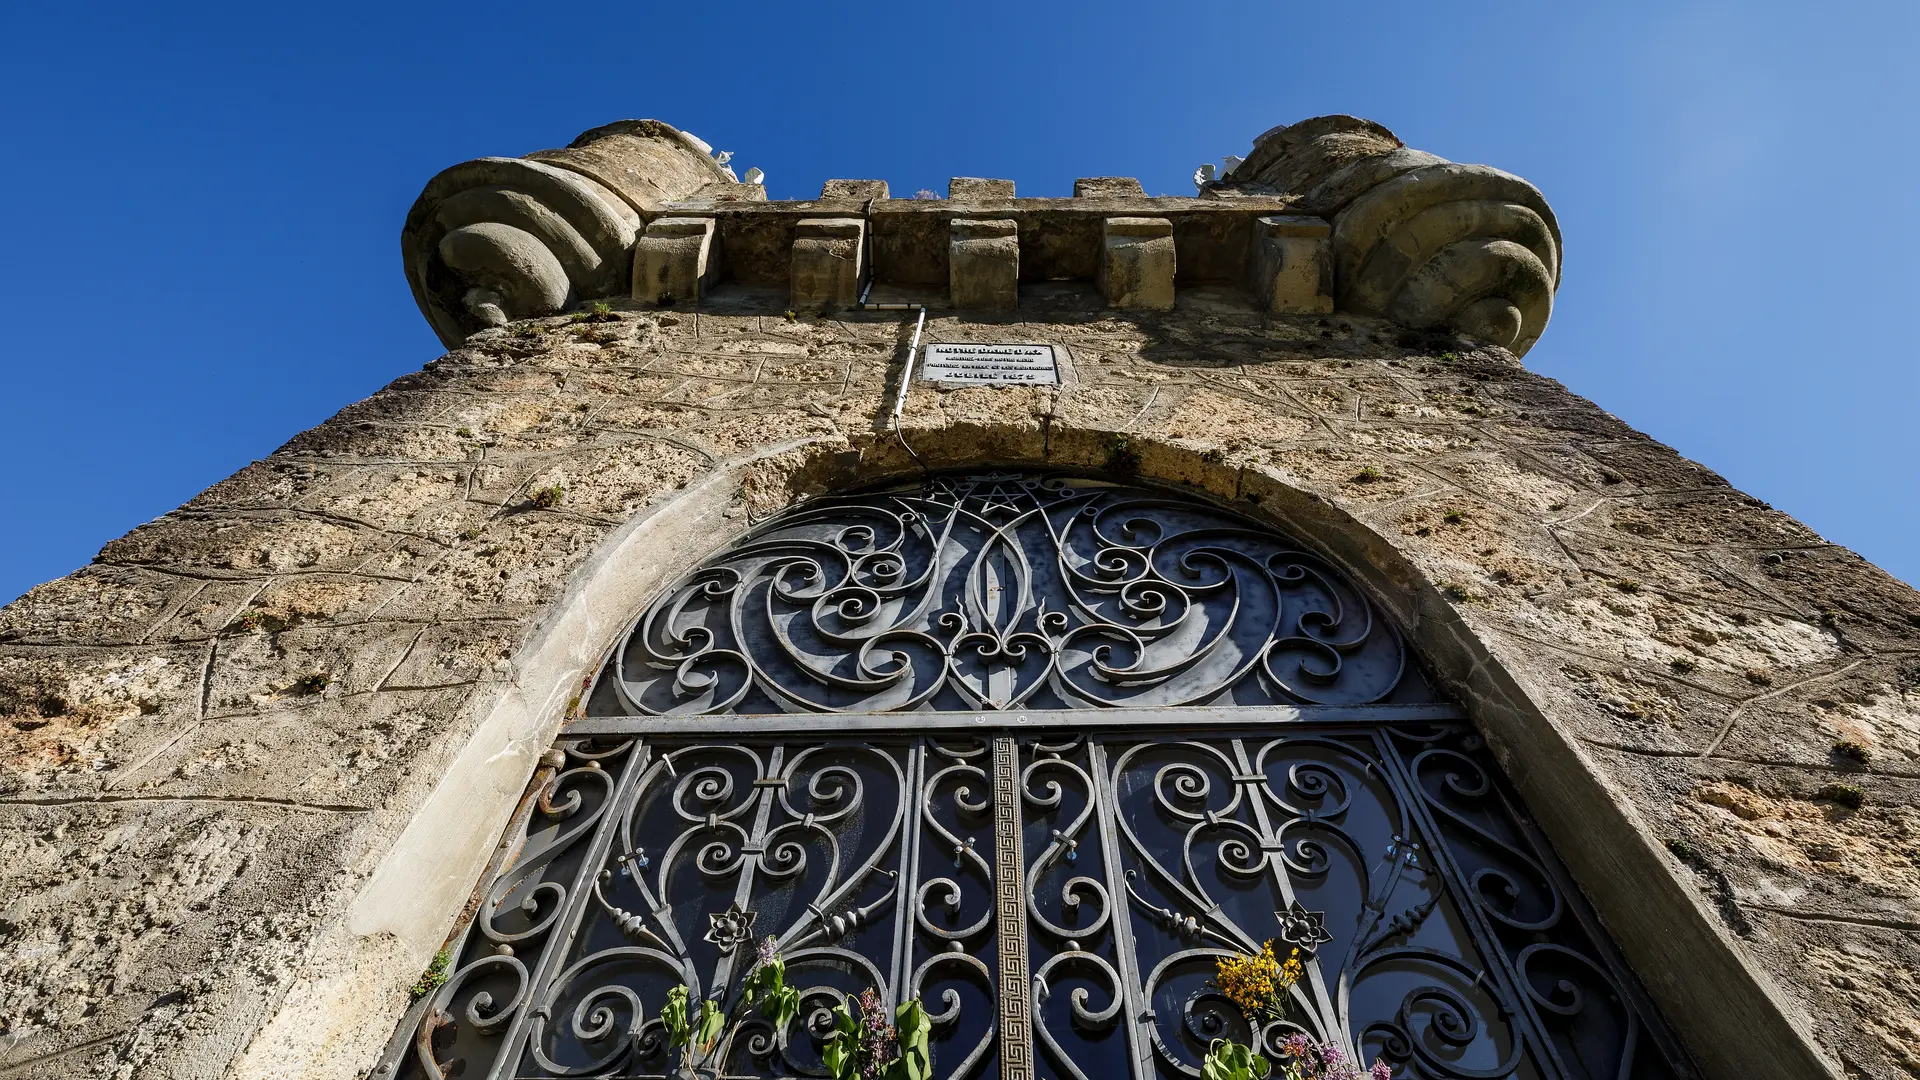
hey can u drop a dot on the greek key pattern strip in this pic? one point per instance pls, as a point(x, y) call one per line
point(1016, 1015)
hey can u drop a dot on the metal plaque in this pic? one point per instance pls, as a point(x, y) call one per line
point(990, 365)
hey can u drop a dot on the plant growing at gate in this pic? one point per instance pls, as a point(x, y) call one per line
point(1258, 985)
point(865, 1044)
point(704, 1036)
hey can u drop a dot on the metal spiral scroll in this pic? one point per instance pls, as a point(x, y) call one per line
point(1234, 841)
point(1004, 591)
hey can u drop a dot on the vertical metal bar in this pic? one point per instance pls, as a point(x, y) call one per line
point(750, 857)
point(1010, 912)
point(1504, 982)
point(568, 926)
point(911, 796)
point(1106, 818)
point(1253, 784)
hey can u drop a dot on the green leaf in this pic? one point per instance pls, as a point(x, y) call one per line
point(780, 1007)
point(841, 1051)
point(1228, 1060)
point(911, 1028)
point(712, 1020)
point(765, 979)
point(674, 1015)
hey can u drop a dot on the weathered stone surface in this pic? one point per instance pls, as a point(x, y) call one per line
point(978, 189)
point(983, 260)
point(1107, 187)
point(854, 189)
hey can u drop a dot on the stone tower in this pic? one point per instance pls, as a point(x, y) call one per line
point(343, 769)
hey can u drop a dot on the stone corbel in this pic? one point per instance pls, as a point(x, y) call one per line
point(983, 263)
point(677, 259)
point(829, 256)
point(1291, 265)
point(1137, 263)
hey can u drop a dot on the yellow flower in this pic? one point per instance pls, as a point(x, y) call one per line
point(1258, 983)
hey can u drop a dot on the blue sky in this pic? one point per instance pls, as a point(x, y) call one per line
point(202, 207)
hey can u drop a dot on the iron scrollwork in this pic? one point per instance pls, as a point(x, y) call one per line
point(1059, 897)
point(1005, 592)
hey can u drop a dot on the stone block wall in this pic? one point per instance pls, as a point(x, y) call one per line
point(253, 758)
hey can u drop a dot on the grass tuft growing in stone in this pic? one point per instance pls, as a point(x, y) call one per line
point(548, 497)
point(1123, 456)
point(1453, 590)
point(433, 978)
point(1683, 666)
point(1684, 851)
point(1627, 585)
point(313, 683)
point(1454, 517)
point(1842, 795)
point(1368, 475)
point(1852, 750)
point(601, 312)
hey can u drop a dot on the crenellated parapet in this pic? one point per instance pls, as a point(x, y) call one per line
point(1332, 214)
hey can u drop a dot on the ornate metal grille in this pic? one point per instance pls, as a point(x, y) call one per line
point(1055, 884)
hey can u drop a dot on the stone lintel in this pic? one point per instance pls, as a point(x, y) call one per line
point(676, 259)
point(983, 263)
point(854, 189)
point(828, 259)
point(1290, 265)
point(978, 189)
point(1137, 263)
point(1108, 187)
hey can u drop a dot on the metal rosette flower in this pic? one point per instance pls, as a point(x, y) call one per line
point(1425, 242)
point(497, 239)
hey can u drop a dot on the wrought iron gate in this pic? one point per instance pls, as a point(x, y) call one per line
point(1039, 752)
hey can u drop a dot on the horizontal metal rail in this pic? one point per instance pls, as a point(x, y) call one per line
point(1033, 720)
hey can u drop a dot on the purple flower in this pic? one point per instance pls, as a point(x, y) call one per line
point(1298, 1047)
point(1381, 1070)
point(878, 1046)
point(766, 951)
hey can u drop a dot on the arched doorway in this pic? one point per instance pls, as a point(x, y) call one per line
point(1041, 752)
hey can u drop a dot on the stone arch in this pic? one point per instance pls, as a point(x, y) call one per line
point(1728, 1014)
